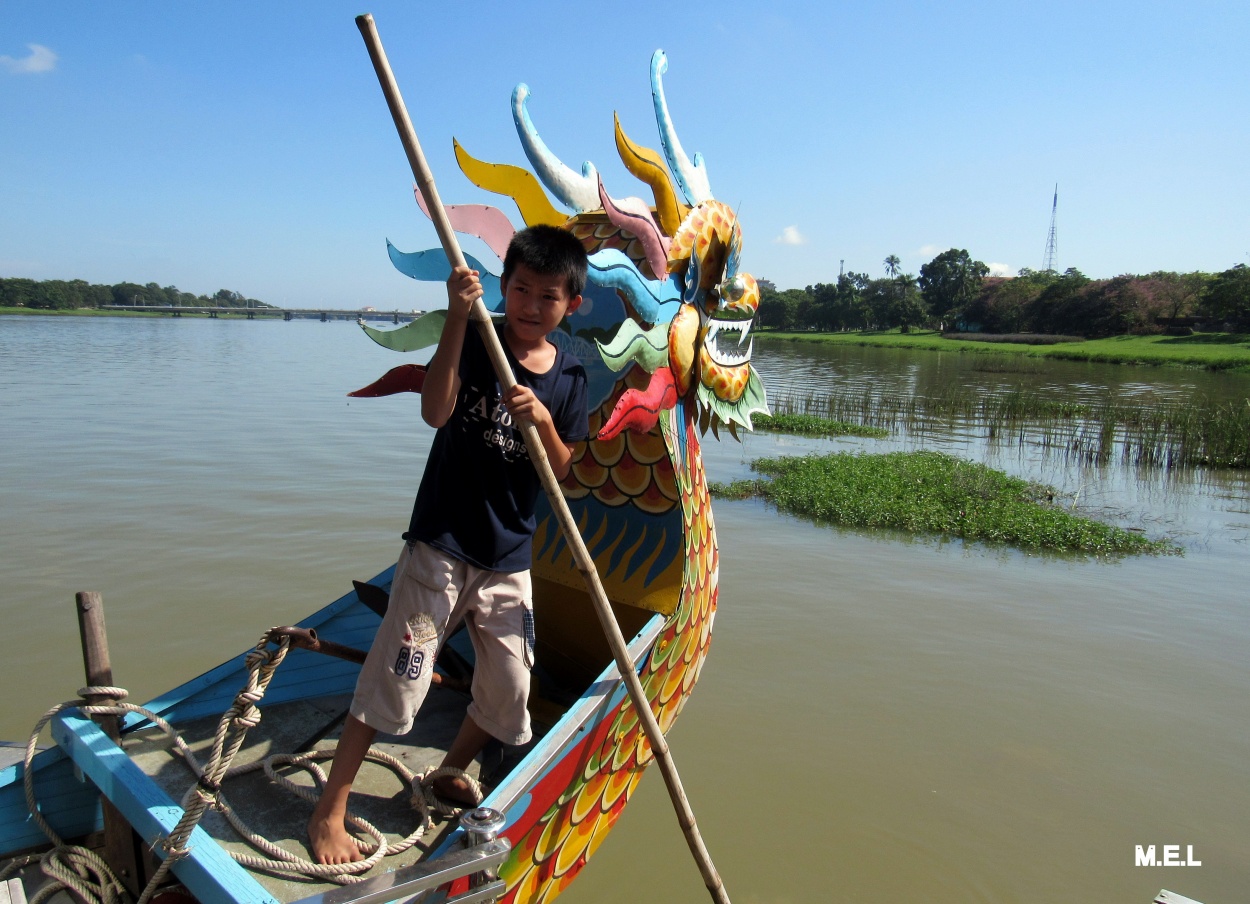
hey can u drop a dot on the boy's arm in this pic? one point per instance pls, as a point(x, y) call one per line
point(442, 377)
point(522, 403)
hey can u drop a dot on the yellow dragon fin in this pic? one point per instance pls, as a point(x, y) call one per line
point(518, 184)
point(647, 165)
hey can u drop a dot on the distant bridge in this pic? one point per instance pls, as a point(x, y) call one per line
point(324, 314)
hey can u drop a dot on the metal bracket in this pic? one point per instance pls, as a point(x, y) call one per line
point(426, 876)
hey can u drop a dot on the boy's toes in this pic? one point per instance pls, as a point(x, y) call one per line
point(331, 844)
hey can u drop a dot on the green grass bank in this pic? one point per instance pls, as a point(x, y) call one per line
point(76, 312)
point(812, 425)
point(933, 493)
point(1214, 351)
point(95, 312)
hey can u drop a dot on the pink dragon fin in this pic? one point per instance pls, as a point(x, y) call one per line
point(490, 224)
point(634, 216)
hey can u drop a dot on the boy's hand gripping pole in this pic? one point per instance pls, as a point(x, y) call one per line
point(585, 564)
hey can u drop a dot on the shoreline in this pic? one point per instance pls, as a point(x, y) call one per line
point(1222, 352)
point(95, 312)
point(197, 314)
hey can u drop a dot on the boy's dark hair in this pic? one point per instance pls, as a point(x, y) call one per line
point(551, 251)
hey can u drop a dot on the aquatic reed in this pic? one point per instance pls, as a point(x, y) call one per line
point(1193, 432)
point(1196, 433)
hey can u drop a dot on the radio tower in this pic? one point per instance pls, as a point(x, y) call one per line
point(1052, 250)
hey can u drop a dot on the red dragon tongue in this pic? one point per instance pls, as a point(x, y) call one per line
point(639, 410)
point(405, 378)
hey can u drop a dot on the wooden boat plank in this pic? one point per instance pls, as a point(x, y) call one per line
point(71, 806)
point(27, 882)
point(206, 870)
point(11, 892)
point(11, 754)
point(303, 676)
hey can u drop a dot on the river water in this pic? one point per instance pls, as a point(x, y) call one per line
point(882, 718)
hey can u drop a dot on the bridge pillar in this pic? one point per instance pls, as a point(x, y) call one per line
point(324, 318)
point(396, 317)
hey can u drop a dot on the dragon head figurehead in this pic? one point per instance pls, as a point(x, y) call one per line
point(665, 290)
point(719, 305)
point(686, 295)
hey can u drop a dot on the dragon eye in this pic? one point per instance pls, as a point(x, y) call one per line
point(733, 289)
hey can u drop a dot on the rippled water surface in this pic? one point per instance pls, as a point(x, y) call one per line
point(882, 718)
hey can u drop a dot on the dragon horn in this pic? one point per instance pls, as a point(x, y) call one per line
point(691, 177)
point(580, 193)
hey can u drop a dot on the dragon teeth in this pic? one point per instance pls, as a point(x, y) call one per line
point(724, 357)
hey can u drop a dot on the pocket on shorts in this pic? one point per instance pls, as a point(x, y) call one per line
point(429, 567)
point(528, 634)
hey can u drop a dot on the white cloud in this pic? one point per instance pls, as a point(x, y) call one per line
point(790, 236)
point(41, 59)
point(1001, 270)
point(930, 251)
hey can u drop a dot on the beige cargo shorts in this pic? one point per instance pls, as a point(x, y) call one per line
point(432, 591)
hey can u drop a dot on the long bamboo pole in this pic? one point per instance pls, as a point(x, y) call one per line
point(585, 564)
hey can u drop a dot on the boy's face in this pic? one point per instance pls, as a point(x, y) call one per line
point(535, 303)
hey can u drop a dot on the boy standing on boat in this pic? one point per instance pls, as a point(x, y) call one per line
point(468, 547)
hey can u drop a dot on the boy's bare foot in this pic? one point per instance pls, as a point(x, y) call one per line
point(330, 841)
point(456, 789)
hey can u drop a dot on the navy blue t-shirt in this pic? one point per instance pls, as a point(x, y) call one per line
point(476, 500)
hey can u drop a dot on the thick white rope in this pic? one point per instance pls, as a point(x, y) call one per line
point(285, 863)
point(68, 866)
point(89, 876)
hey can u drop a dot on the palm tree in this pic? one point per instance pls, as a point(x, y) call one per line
point(892, 267)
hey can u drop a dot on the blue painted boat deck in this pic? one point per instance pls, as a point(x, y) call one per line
point(378, 795)
point(302, 709)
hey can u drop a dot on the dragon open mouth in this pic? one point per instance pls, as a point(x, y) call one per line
point(724, 341)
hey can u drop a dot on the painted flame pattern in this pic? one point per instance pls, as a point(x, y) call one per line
point(629, 468)
point(594, 781)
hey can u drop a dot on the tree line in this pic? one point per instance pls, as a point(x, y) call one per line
point(954, 292)
point(63, 295)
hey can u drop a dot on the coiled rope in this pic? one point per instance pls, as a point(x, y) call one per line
point(85, 872)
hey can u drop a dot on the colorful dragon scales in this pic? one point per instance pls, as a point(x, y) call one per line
point(660, 331)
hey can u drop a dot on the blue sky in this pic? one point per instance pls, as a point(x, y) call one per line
point(247, 146)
